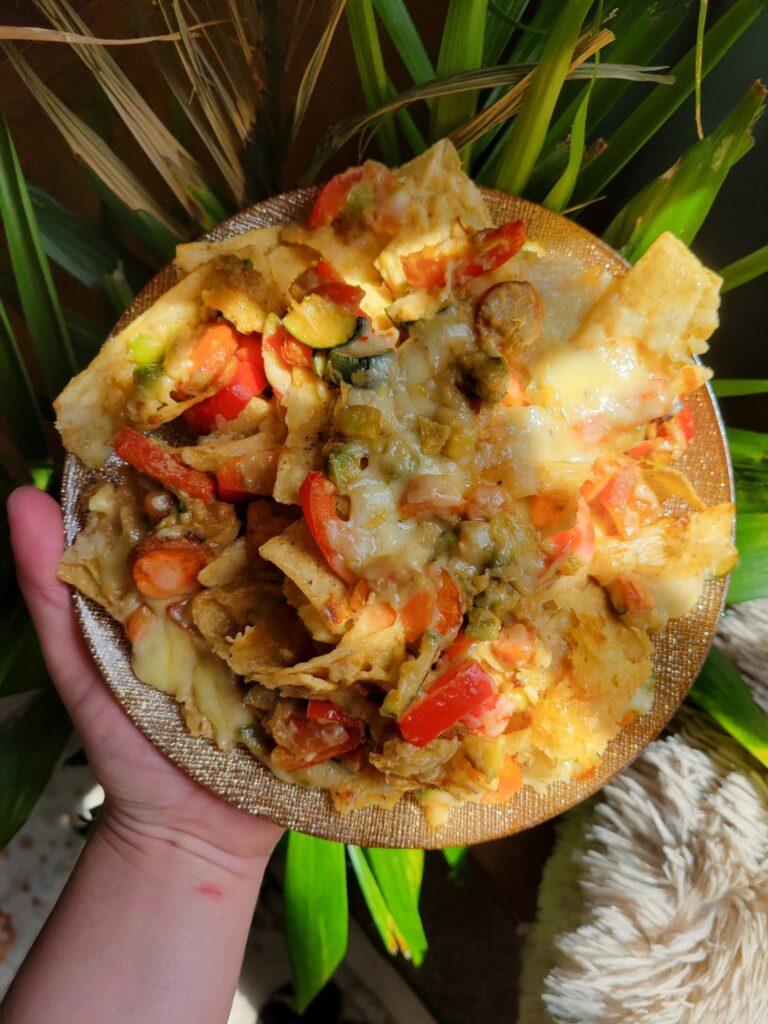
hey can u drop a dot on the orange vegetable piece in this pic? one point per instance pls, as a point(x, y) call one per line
point(168, 569)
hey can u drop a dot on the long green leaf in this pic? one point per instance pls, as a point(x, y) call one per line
point(725, 388)
point(18, 404)
point(749, 456)
point(560, 194)
point(746, 269)
point(21, 663)
point(680, 199)
point(380, 913)
point(461, 49)
point(646, 119)
point(29, 749)
point(400, 28)
point(316, 913)
point(526, 136)
point(749, 579)
point(399, 874)
point(641, 29)
point(503, 19)
point(370, 67)
point(83, 251)
point(723, 694)
point(33, 276)
point(455, 856)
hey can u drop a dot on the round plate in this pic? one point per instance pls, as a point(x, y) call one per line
point(239, 778)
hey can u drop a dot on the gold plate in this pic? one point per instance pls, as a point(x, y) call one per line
point(239, 778)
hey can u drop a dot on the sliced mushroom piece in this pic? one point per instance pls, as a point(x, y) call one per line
point(509, 316)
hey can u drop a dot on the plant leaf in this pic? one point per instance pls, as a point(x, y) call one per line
point(33, 276)
point(725, 388)
point(641, 29)
point(84, 142)
point(646, 119)
point(526, 136)
point(744, 270)
point(749, 457)
point(180, 171)
point(399, 874)
point(83, 251)
point(455, 856)
point(403, 33)
point(504, 19)
point(50, 35)
point(370, 67)
point(314, 67)
point(316, 914)
point(721, 691)
point(559, 195)
point(680, 199)
point(461, 49)
point(21, 662)
point(18, 404)
point(377, 905)
point(30, 746)
point(700, 26)
point(749, 580)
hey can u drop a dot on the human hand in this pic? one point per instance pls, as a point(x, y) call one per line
point(148, 799)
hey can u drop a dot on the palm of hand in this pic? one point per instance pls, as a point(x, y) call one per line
point(145, 787)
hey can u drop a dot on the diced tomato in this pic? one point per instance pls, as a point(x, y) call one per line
point(672, 437)
point(312, 742)
point(333, 197)
point(442, 611)
point(155, 461)
point(348, 296)
point(326, 272)
point(243, 477)
point(510, 781)
point(457, 692)
point(163, 569)
point(572, 548)
point(515, 645)
point(686, 422)
point(467, 258)
point(316, 495)
point(628, 503)
point(327, 711)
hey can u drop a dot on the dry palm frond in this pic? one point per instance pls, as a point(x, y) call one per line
point(510, 102)
point(178, 169)
point(229, 121)
point(301, 16)
point(21, 34)
point(90, 148)
point(314, 66)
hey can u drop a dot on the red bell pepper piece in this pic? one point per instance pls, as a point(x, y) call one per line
point(576, 545)
point(333, 197)
point(482, 252)
point(348, 296)
point(316, 497)
point(247, 381)
point(464, 687)
point(154, 460)
point(313, 741)
point(327, 711)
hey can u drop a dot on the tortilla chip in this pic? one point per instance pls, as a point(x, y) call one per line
point(307, 415)
point(296, 554)
point(442, 199)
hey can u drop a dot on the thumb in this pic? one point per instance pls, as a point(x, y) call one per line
point(37, 539)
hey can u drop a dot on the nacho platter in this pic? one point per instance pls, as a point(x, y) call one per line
point(238, 777)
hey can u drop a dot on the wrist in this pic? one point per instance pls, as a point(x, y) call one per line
point(188, 851)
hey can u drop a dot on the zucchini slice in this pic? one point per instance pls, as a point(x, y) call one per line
point(320, 323)
point(367, 372)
